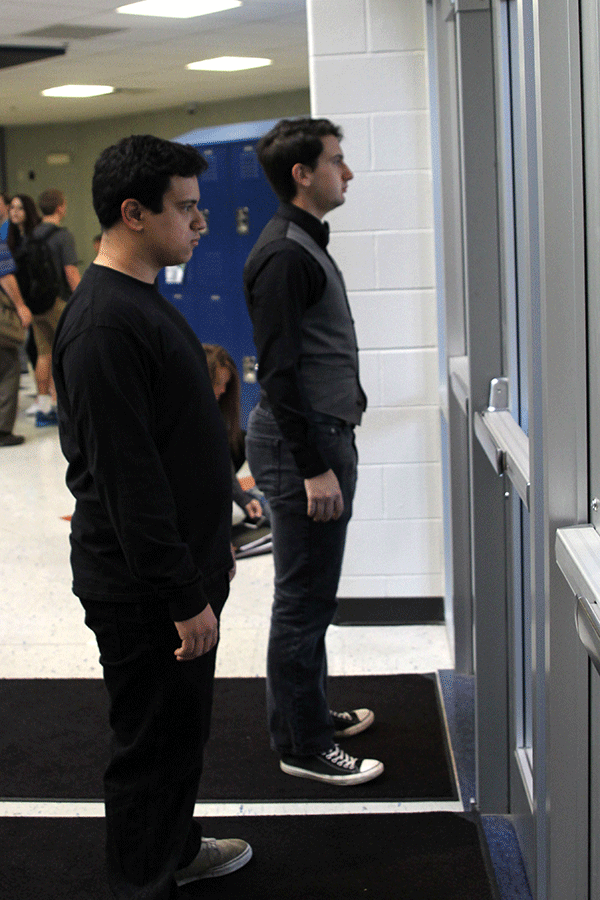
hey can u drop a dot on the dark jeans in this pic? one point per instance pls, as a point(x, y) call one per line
point(308, 560)
point(160, 717)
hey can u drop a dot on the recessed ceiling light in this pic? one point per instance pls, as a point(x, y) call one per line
point(229, 63)
point(78, 90)
point(177, 9)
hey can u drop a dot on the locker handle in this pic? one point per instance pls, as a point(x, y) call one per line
point(250, 369)
point(242, 220)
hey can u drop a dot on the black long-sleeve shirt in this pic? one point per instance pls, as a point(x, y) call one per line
point(149, 461)
point(282, 281)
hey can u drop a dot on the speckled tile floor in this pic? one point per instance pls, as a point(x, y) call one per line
point(42, 634)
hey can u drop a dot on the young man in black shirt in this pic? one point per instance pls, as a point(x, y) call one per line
point(150, 539)
point(300, 441)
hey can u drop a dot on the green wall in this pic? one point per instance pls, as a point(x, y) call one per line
point(27, 147)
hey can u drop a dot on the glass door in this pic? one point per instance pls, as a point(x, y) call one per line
point(509, 420)
point(497, 145)
point(519, 210)
point(519, 106)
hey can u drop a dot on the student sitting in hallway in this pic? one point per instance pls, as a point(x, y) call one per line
point(225, 380)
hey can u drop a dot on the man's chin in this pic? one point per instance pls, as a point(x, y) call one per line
point(338, 202)
point(180, 260)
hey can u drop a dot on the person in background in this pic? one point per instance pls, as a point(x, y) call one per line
point(148, 465)
point(300, 441)
point(4, 204)
point(53, 206)
point(61, 243)
point(225, 380)
point(23, 217)
point(10, 366)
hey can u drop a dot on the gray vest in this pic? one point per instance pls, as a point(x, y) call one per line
point(329, 359)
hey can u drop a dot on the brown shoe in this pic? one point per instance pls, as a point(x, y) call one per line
point(214, 859)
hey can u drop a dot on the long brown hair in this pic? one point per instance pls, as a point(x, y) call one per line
point(229, 401)
point(32, 218)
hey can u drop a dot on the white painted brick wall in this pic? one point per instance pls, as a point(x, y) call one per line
point(368, 74)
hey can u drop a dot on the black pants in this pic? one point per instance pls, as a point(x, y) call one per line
point(160, 718)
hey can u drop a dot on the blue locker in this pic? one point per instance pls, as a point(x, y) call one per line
point(238, 203)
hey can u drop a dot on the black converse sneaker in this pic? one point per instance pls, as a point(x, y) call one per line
point(352, 722)
point(333, 766)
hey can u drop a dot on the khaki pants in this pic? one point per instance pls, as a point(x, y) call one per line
point(44, 327)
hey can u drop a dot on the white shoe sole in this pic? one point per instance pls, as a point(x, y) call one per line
point(356, 729)
point(217, 871)
point(357, 778)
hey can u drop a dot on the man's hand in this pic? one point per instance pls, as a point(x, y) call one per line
point(25, 316)
point(10, 286)
point(325, 501)
point(198, 635)
point(253, 509)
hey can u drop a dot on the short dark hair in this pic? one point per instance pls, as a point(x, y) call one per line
point(49, 201)
point(289, 142)
point(140, 167)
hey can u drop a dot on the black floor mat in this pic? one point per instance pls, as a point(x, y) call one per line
point(419, 856)
point(54, 741)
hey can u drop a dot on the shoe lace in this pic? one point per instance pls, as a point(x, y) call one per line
point(210, 851)
point(341, 715)
point(340, 758)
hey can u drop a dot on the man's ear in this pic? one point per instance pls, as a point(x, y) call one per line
point(301, 174)
point(132, 214)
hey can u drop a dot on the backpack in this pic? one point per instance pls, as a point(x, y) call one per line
point(41, 280)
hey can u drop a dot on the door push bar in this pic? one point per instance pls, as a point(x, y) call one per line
point(578, 557)
point(505, 444)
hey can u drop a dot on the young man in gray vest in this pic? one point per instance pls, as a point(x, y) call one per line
point(300, 442)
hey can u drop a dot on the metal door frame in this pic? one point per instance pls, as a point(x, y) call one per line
point(453, 362)
point(519, 249)
point(462, 38)
point(578, 546)
point(559, 463)
point(587, 595)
